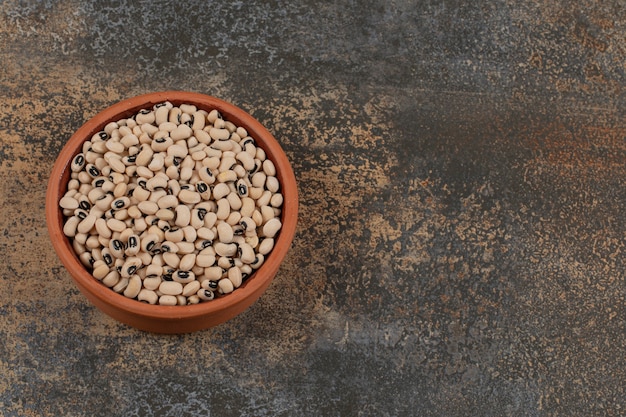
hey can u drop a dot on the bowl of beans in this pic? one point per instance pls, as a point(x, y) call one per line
point(172, 211)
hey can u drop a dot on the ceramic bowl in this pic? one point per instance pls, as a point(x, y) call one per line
point(171, 319)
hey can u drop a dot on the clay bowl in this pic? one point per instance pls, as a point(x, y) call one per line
point(171, 319)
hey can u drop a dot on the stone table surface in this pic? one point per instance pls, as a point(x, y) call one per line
point(461, 238)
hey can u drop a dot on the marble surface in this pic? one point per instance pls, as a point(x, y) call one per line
point(461, 239)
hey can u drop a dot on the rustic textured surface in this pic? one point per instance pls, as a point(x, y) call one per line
point(460, 249)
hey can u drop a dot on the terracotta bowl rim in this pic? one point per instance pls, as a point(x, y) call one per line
point(250, 290)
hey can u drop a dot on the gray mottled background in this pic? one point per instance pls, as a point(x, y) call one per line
point(460, 249)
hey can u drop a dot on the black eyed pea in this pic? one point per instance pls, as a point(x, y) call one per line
point(152, 283)
point(130, 266)
point(134, 286)
point(206, 175)
point(165, 214)
point(129, 140)
point(209, 284)
point(247, 207)
point(174, 115)
point(242, 188)
point(271, 228)
point(169, 246)
point(111, 279)
point(92, 242)
point(116, 248)
point(258, 261)
point(193, 299)
point(227, 162)
point(146, 258)
point(87, 223)
point(260, 154)
point(171, 259)
point(272, 184)
point(167, 201)
point(225, 249)
point(219, 134)
point(106, 256)
point(187, 262)
point(69, 203)
point(185, 174)
point(154, 271)
point(149, 242)
point(144, 157)
point(277, 200)
point(168, 300)
point(267, 212)
point(183, 216)
point(223, 209)
point(161, 115)
point(264, 199)
point(213, 159)
point(191, 288)
point(202, 136)
point(78, 162)
point(132, 245)
point(104, 202)
point(258, 179)
point(156, 195)
point(157, 182)
point(246, 253)
point(204, 190)
point(144, 172)
point(116, 225)
point(186, 247)
point(225, 262)
point(120, 203)
point(220, 191)
point(205, 233)
point(148, 296)
point(161, 144)
point(205, 295)
point(257, 217)
point(190, 234)
point(246, 271)
point(86, 259)
point(140, 194)
point(145, 116)
point(69, 228)
point(225, 286)
point(199, 121)
point(223, 145)
point(269, 168)
point(148, 207)
point(227, 176)
point(266, 246)
point(81, 238)
point(175, 235)
point(121, 285)
point(80, 213)
point(118, 190)
point(234, 200)
point(213, 273)
point(224, 232)
point(181, 300)
point(205, 260)
point(247, 161)
point(171, 288)
point(189, 197)
point(235, 277)
point(248, 224)
point(181, 132)
point(183, 277)
point(100, 270)
point(177, 151)
point(255, 192)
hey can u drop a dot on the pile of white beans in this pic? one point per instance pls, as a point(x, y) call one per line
point(172, 206)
